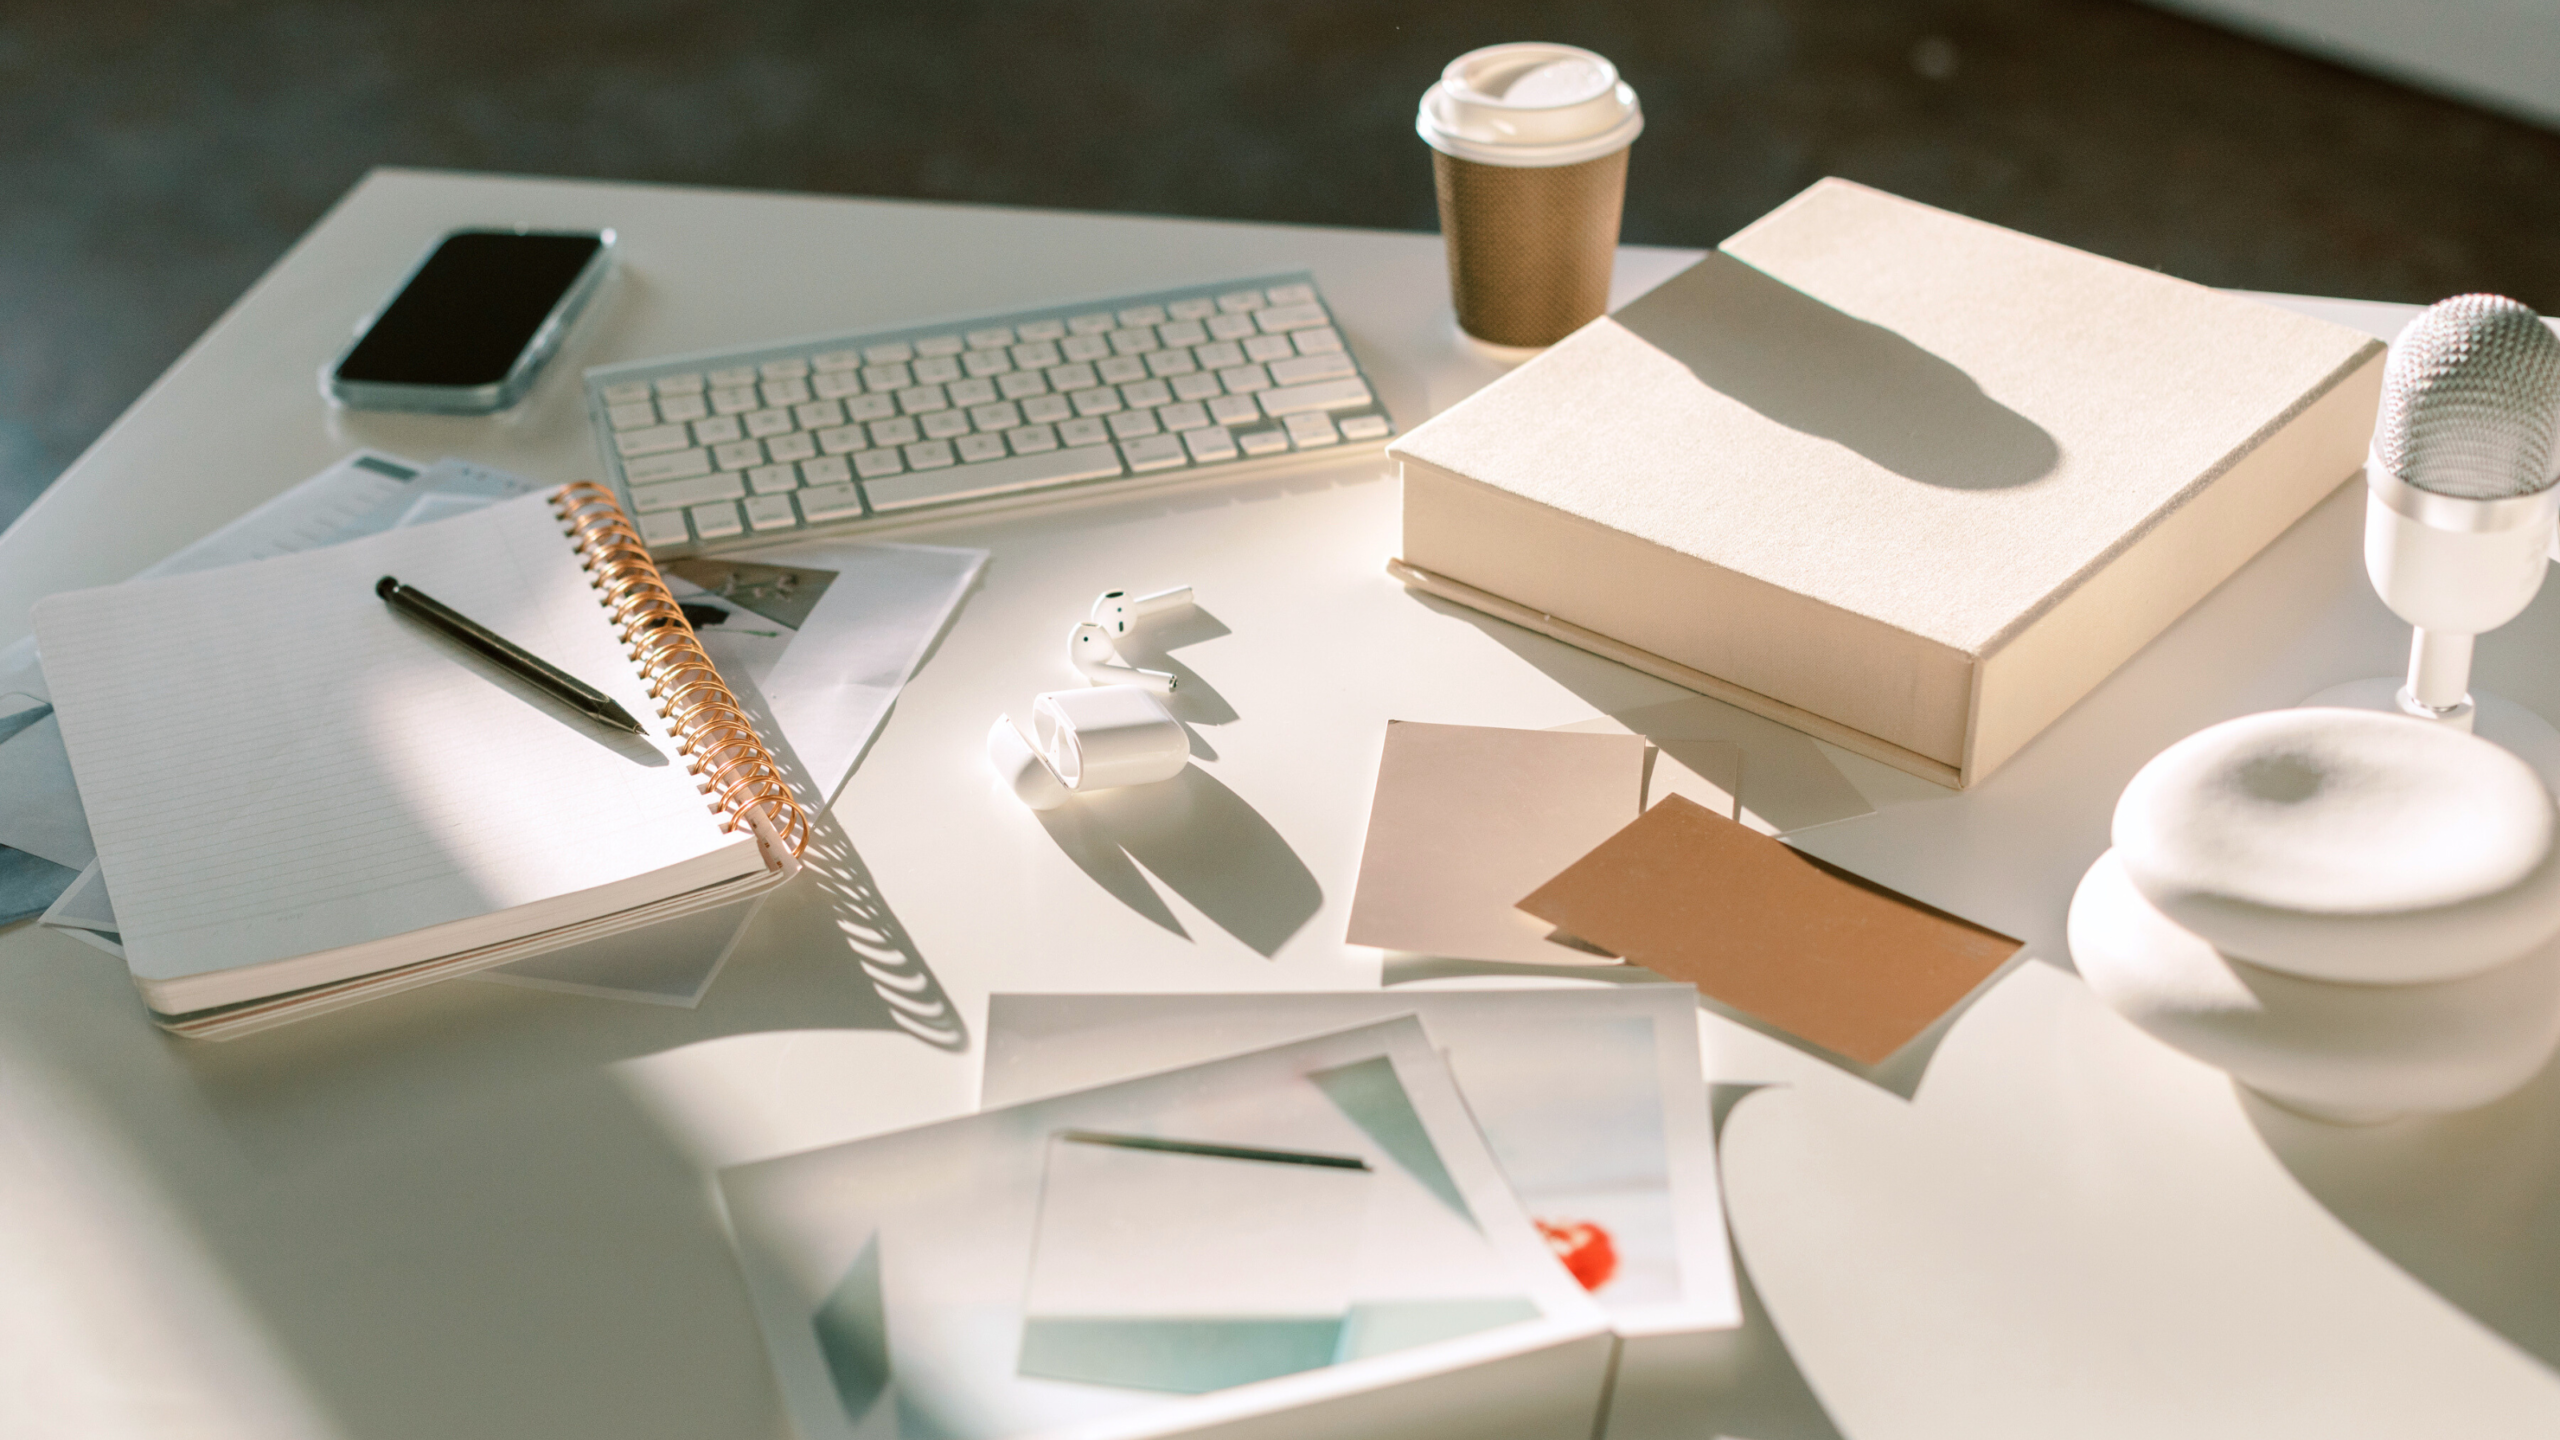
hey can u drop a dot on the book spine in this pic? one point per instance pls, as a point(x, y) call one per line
point(747, 788)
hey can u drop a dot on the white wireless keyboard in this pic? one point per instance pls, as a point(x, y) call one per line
point(767, 443)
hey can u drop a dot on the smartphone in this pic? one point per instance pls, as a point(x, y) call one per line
point(469, 328)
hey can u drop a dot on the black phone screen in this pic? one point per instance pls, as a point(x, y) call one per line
point(470, 310)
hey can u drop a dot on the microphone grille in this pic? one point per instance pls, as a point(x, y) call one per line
point(2470, 400)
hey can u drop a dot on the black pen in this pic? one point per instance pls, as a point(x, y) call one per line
point(560, 684)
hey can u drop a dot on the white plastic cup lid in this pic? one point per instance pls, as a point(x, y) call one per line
point(1529, 105)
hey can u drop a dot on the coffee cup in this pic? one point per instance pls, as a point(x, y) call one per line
point(1529, 155)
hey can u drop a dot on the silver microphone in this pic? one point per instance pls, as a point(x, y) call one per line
point(2460, 508)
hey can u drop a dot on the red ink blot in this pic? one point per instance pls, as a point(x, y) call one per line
point(1584, 1248)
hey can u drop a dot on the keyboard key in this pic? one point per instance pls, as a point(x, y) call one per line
point(1037, 330)
point(738, 454)
point(1023, 472)
point(1262, 442)
point(895, 352)
point(895, 432)
point(1234, 410)
point(1301, 369)
point(1245, 379)
point(1047, 409)
point(1082, 432)
point(677, 494)
point(836, 384)
point(975, 448)
point(870, 407)
point(1130, 424)
point(798, 445)
point(1063, 378)
point(784, 392)
point(1083, 347)
point(635, 414)
point(887, 377)
point(966, 393)
point(1195, 308)
point(1197, 387)
point(917, 399)
point(1311, 428)
point(1143, 315)
point(1038, 355)
point(1156, 452)
point(1363, 427)
point(1032, 439)
point(1322, 340)
point(826, 470)
point(784, 370)
point(1182, 334)
point(1003, 415)
point(682, 407)
point(667, 467)
point(1269, 347)
point(1323, 395)
point(761, 423)
point(771, 512)
point(1209, 446)
point(666, 527)
point(1219, 355)
point(944, 424)
point(736, 399)
point(837, 360)
point(1133, 342)
point(936, 370)
point(1183, 417)
point(627, 393)
point(1231, 327)
point(1121, 369)
point(994, 337)
point(986, 362)
point(818, 414)
point(652, 441)
point(1097, 324)
point(1100, 400)
point(1022, 384)
point(1146, 394)
point(830, 502)
point(1295, 294)
point(934, 454)
point(872, 464)
point(715, 522)
point(1290, 317)
point(844, 439)
point(939, 346)
point(733, 377)
point(718, 430)
point(1169, 363)
point(685, 384)
point(1239, 302)
point(773, 479)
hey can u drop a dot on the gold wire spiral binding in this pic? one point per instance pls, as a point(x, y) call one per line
point(731, 763)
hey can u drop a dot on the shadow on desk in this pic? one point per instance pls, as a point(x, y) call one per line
point(2468, 1205)
point(442, 1208)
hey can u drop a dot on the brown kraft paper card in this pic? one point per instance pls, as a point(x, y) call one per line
point(1849, 965)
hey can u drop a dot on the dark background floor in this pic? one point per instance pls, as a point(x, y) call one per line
point(156, 157)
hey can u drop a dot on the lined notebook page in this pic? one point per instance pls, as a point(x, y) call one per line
point(277, 763)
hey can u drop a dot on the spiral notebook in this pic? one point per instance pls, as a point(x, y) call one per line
point(303, 800)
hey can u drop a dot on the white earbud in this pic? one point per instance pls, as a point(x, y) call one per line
point(1090, 650)
point(1116, 610)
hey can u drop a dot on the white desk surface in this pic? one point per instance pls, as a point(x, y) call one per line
point(482, 1211)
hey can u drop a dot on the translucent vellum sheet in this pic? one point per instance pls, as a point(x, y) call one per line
point(1296, 1223)
point(1166, 1265)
